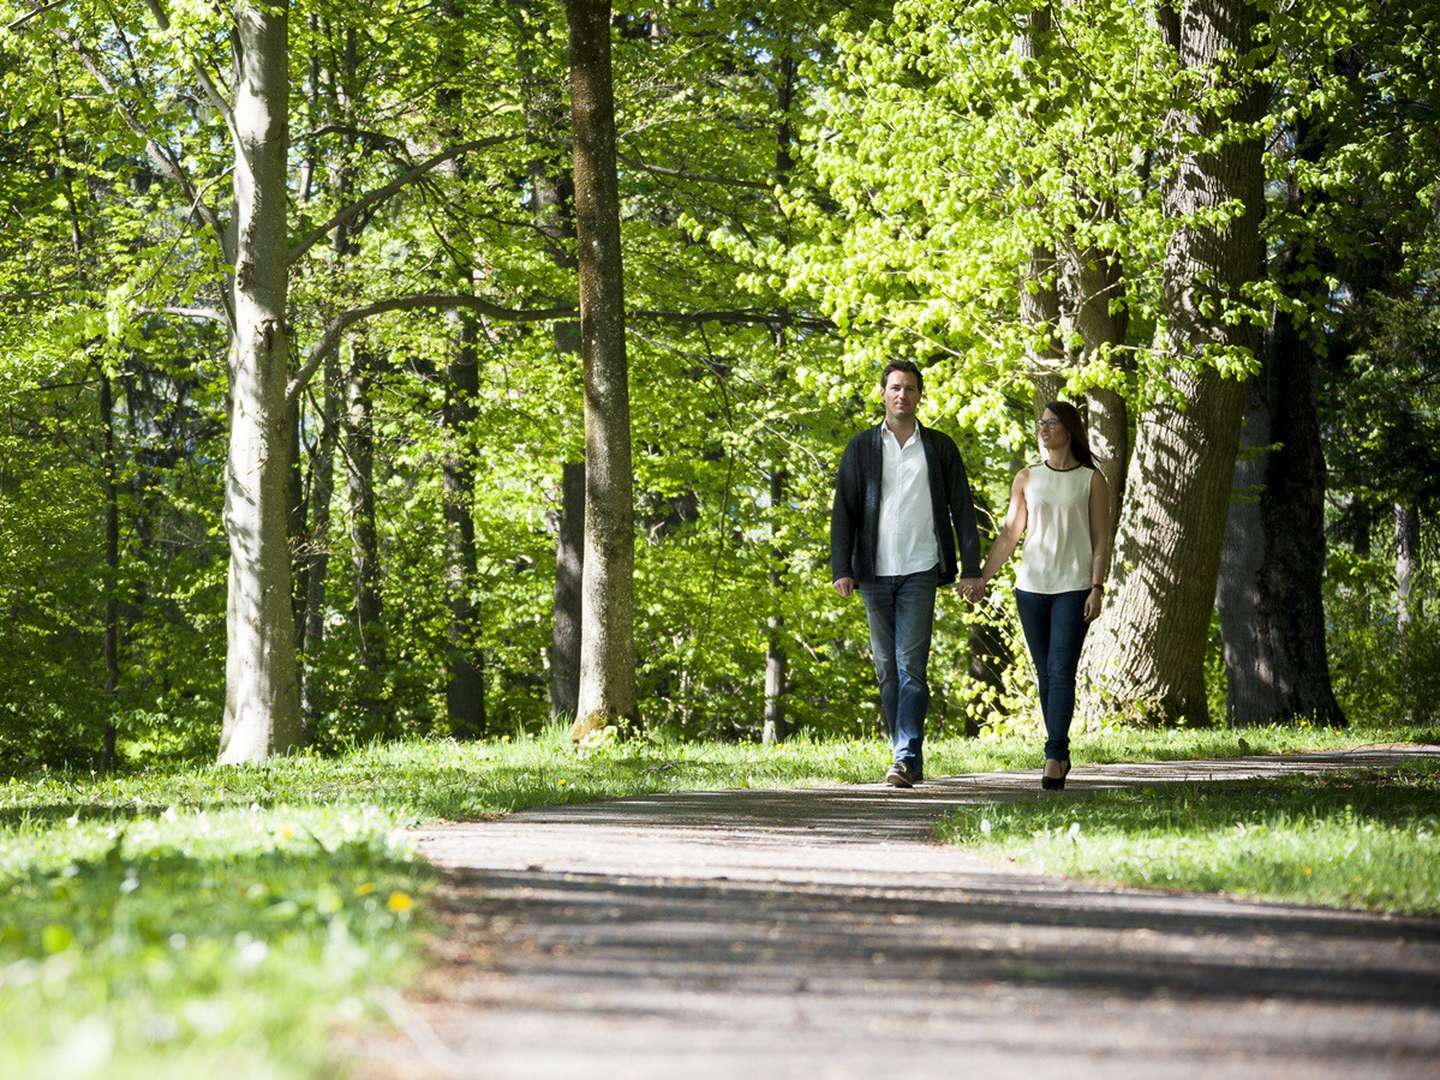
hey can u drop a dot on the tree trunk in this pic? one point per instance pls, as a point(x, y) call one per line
point(1040, 290)
point(1272, 613)
point(112, 571)
point(364, 546)
point(1144, 656)
point(315, 559)
point(1098, 283)
point(262, 698)
point(776, 661)
point(1407, 564)
point(465, 680)
point(776, 665)
point(465, 671)
point(607, 650)
point(569, 568)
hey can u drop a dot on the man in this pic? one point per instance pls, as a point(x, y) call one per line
point(901, 500)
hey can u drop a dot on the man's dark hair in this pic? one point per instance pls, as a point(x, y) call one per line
point(906, 366)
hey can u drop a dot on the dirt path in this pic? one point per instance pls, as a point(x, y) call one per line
point(819, 933)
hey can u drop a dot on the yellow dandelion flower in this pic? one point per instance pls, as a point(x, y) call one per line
point(399, 901)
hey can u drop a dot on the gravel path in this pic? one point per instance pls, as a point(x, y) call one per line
point(820, 933)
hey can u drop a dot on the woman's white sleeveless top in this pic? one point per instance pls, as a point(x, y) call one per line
point(1057, 552)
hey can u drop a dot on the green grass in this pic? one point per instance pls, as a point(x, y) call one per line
point(1362, 840)
point(172, 922)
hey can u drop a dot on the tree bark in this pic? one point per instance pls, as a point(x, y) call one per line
point(1272, 612)
point(1040, 290)
point(360, 474)
point(315, 558)
point(607, 650)
point(465, 670)
point(1098, 283)
point(465, 676)
point(777, 666)
point(1144, 656)
point(262, 699)
point(776, 662)
point(1407, 564)
point(112, 571)
point(569, 571)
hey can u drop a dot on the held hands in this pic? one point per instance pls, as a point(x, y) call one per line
point(973, 589)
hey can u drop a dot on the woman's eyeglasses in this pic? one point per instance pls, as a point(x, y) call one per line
point(1047, 424)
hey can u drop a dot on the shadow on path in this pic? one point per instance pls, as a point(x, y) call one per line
point(820, 933)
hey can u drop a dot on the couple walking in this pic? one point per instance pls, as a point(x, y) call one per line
point(902, 501)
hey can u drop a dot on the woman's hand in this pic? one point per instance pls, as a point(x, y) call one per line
point(1093, 603)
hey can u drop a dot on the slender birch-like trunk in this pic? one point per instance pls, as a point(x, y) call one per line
point(262, 698)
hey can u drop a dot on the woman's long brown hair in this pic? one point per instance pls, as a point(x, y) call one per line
point(1068, 415)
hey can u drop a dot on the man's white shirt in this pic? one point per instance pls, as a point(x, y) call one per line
point(906, 541)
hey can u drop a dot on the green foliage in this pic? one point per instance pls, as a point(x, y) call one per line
point(924, 162)
point(1337, 839)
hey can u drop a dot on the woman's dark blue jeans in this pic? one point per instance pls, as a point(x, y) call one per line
point(1055, 626)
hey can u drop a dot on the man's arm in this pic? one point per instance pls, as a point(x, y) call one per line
point(843, 520)
point(962, 514)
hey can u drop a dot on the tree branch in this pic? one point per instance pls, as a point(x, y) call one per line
point(206, 82)
point(437, 301)
point(449, 301)
point(703, 178)
point(203, 314)
point(735, 318)
point(165, 159)
point(380, 194)
point(17, 23)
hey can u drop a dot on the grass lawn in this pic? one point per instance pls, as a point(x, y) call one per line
point(172, 922)
point(1351, 840)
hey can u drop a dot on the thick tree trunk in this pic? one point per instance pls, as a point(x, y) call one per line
point(1144, 656)
point(1272, 614)
point(607, 649)
point(569, 569)
point(262, 698)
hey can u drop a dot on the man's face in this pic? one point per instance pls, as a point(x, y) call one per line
point(902, 394)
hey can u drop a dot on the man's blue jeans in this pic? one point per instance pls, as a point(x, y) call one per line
point(901, 611)
point(1054, 625)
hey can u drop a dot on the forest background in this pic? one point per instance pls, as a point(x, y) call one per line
point(1218, 235)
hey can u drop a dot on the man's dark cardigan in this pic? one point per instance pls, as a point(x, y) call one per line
point(855, 519)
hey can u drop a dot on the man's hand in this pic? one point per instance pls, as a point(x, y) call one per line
point(972, 588)
point(1093, 603)
point(845, 585)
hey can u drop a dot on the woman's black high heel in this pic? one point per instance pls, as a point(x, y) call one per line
point(1055, 783)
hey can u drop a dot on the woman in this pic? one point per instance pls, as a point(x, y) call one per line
point(1062, 506)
